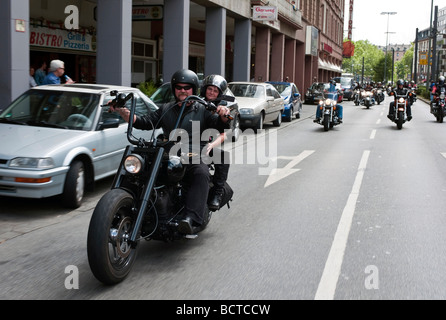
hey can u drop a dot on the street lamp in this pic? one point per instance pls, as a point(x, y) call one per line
point(387, 42)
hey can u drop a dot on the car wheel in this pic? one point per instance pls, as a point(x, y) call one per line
point(259, 125)
point(278, 121)
point(73, 191)
point(290, 118)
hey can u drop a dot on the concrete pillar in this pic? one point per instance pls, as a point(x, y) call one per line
point(176, 37)
point(262, 60)
point(215, 41)
point(242, 50)
point(114, 42)
point(14, 55)
point(289, 70)
point(300, 68)
point(277, 57)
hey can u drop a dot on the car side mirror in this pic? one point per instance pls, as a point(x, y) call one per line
point(109, 123)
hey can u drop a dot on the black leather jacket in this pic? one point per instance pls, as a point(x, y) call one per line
point(166, 117)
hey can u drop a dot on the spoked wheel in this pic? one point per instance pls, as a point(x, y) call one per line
point(110, 254)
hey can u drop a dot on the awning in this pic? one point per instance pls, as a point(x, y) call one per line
point(325, 65)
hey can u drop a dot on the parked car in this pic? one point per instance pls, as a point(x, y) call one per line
point(164, 95)
point(60, 139)
point(316, 92)
point(291, 97)
point(259, 103)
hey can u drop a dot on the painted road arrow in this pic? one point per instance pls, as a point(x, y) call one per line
point(279, 174)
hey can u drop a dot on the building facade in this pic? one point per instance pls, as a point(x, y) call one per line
point(126, 42)
point(425, 42)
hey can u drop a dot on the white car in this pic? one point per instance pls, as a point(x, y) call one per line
point(259, 103)
point(60, 139)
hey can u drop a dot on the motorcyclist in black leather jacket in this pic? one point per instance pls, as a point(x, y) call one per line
point(185, 83)
point(400, 90)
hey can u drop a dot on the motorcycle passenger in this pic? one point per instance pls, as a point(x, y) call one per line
point(212, 88)
point(333, 95)
point(436, 89)
point(400, 90)
point(185, 83)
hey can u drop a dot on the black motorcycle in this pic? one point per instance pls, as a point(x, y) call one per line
point(438, 106)
point(145, 202)
point(400, 108)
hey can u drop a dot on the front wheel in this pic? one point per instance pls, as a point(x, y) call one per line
point(326, 122)
point(110, 254)
point(400, 121)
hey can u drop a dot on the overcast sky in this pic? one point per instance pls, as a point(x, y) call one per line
point(369, 24)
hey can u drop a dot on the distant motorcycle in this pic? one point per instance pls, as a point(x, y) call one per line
point(379, 96)
point(329, 117)
point(400, 108)
point(357, 97)
point(367, 99)
point(438, 106)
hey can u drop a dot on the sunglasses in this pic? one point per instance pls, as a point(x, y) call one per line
point(183, 87)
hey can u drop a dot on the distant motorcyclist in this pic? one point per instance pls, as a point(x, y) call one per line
point(400, 90)
point(333, 95)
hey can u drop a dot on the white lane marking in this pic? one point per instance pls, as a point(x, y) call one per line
point(279, 174)
point(372, 136)
point(444, 154)
point(327, 285)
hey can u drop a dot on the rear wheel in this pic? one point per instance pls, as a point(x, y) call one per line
point(278, 121)
point(110, 254)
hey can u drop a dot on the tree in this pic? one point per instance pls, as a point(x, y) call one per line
point(371, 55)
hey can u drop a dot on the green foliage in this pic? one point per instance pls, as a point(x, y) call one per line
point(148, 88)
point(375, 61)
point(423, 92)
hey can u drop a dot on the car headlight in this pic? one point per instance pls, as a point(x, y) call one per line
point(133, 164)
point(246, 111)
point(32, 163)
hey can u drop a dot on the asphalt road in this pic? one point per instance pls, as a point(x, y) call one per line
point(351, 214)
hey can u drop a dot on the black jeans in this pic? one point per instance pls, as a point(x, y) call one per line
point(221, 168)
point(196, 181)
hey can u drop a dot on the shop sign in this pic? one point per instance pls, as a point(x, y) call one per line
point(61, 39)
point(312, 41)
point(147, 13)
point(262, 13)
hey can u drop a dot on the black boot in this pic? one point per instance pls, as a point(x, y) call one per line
point(214, 203)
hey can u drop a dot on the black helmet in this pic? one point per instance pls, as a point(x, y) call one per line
point(214, 80)
point(400, 83)
point(185, 76)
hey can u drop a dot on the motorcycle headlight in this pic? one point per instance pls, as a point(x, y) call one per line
point(327, 102)
point(32, 163)
point(133, 164)
point(401, 100)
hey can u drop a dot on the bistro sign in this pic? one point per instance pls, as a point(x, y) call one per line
point(61, 39)
point(262, 13)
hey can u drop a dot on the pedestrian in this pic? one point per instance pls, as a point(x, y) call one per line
point(57, 70)
point(32, 81)
point(40, 73)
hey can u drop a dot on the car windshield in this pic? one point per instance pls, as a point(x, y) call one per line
point(55, 109)
point(346, 82)
point(163, 94)
point(284, 89)
point(247, 90)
